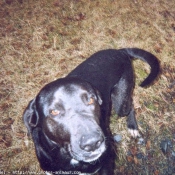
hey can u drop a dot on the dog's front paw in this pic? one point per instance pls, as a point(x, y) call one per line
point(134, 133)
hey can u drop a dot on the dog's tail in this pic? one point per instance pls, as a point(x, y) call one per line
point(150, 59)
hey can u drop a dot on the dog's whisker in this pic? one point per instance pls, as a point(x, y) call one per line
point(53, 148)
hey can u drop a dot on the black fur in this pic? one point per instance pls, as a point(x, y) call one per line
point(69, 118)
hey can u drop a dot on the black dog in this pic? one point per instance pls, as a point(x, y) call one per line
point(69, 118)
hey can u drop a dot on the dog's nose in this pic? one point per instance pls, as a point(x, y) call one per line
point(91, 142)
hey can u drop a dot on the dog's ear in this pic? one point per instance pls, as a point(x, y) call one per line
point(99, 98)
point(30, 116)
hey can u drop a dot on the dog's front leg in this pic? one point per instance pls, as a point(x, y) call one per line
point(108, 162)
point(106, 170)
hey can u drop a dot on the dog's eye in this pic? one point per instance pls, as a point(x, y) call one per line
point(91, 101)
point(54, 112)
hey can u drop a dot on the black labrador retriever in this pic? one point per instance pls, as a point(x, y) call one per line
point(69, 118)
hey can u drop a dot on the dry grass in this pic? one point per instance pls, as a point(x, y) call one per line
point(43, 40)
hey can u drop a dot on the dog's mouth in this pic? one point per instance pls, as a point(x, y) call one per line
point(88, 157)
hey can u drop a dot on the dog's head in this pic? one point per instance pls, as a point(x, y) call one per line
point(68, 112)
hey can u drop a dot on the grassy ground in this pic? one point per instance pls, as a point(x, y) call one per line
point(43, 40)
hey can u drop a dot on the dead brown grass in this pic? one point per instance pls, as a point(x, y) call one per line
point(43, 40)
